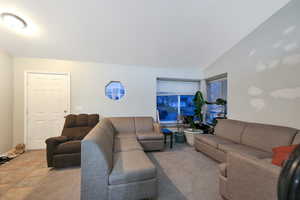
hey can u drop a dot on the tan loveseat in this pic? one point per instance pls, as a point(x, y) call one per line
point(113, 163)
point(245, 150)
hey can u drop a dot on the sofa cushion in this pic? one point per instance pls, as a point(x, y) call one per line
point(126, 144)
point(123, 124)
point(70, 121)
point(243, 149)
point(93, 119)
point(125, 135)
point(297, 138)
point(230, 129)
point(212, 140)
point(143, 124)
point(265, 137)
point(131, 166)
point(76, 133)
point(82, 120)
point(281, 154)
point(108, 128)
point(267, 160)
point(68, 147)
point(223, 169)
point(149, 136)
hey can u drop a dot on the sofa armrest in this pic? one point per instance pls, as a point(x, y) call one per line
point(56, 140)
point(52, 143)
point(250, 178)
point(157, 128)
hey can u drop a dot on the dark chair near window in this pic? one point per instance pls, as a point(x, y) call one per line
point(65, 150)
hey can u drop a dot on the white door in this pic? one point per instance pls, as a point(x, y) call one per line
point(47, 104)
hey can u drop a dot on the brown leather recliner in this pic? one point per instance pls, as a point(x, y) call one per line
point(65, 150)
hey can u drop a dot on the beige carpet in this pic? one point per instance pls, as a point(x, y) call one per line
point(184, 174)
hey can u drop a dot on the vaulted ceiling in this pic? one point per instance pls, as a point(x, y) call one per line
point(162, 33)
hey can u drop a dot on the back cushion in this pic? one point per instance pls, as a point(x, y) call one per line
point(266, 137)
point(93, 120)
point(82, 120)
point(107, 126)
point(297, 138)
point(143, 124)
point(230, 129)
point(70, 121)
point(123, 124)
point(100, 135)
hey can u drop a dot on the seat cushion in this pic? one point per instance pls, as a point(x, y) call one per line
point(69, 147)
point(244, 150)
point(212, 140)
point(126, 144)
point(131, 166)
point(149, 136)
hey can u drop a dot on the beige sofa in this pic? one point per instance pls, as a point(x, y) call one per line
point(245, 150)
point(113, 163)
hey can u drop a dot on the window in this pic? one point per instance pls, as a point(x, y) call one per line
point(114, 90)
point(175, 98)
point(167, 107)
point(216, 88)
point(171, 106)
point(187, 105)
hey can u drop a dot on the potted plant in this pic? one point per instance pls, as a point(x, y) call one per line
point(199, 102)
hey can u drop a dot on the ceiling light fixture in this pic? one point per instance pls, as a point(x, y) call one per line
point(13, 21)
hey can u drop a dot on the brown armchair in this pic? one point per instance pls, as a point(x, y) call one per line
point(65, 150)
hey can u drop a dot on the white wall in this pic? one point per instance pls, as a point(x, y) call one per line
point(264, 71)
point(87, 87)
point(6, 99)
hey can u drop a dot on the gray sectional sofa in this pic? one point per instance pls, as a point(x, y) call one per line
point(113, 163)
point(245, 151)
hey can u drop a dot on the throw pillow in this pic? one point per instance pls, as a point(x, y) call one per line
point(281, 154)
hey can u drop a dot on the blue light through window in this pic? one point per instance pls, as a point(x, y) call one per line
point(170, 106)
point(215, 89)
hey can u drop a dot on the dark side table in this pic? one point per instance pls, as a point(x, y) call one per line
point(167, 133)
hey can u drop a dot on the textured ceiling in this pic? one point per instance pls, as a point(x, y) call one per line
point(162, 33)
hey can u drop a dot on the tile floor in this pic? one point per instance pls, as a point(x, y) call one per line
point(184, 174)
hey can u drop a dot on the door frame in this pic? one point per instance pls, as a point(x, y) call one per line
point(26, 73)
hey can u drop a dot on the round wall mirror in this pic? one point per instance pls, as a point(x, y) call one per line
point(114, 90)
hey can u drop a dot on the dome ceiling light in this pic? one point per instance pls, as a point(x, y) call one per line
point(13, 21)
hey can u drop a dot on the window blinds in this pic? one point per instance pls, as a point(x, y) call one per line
point(177, 87)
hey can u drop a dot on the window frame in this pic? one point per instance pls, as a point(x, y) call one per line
point(224, 90)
